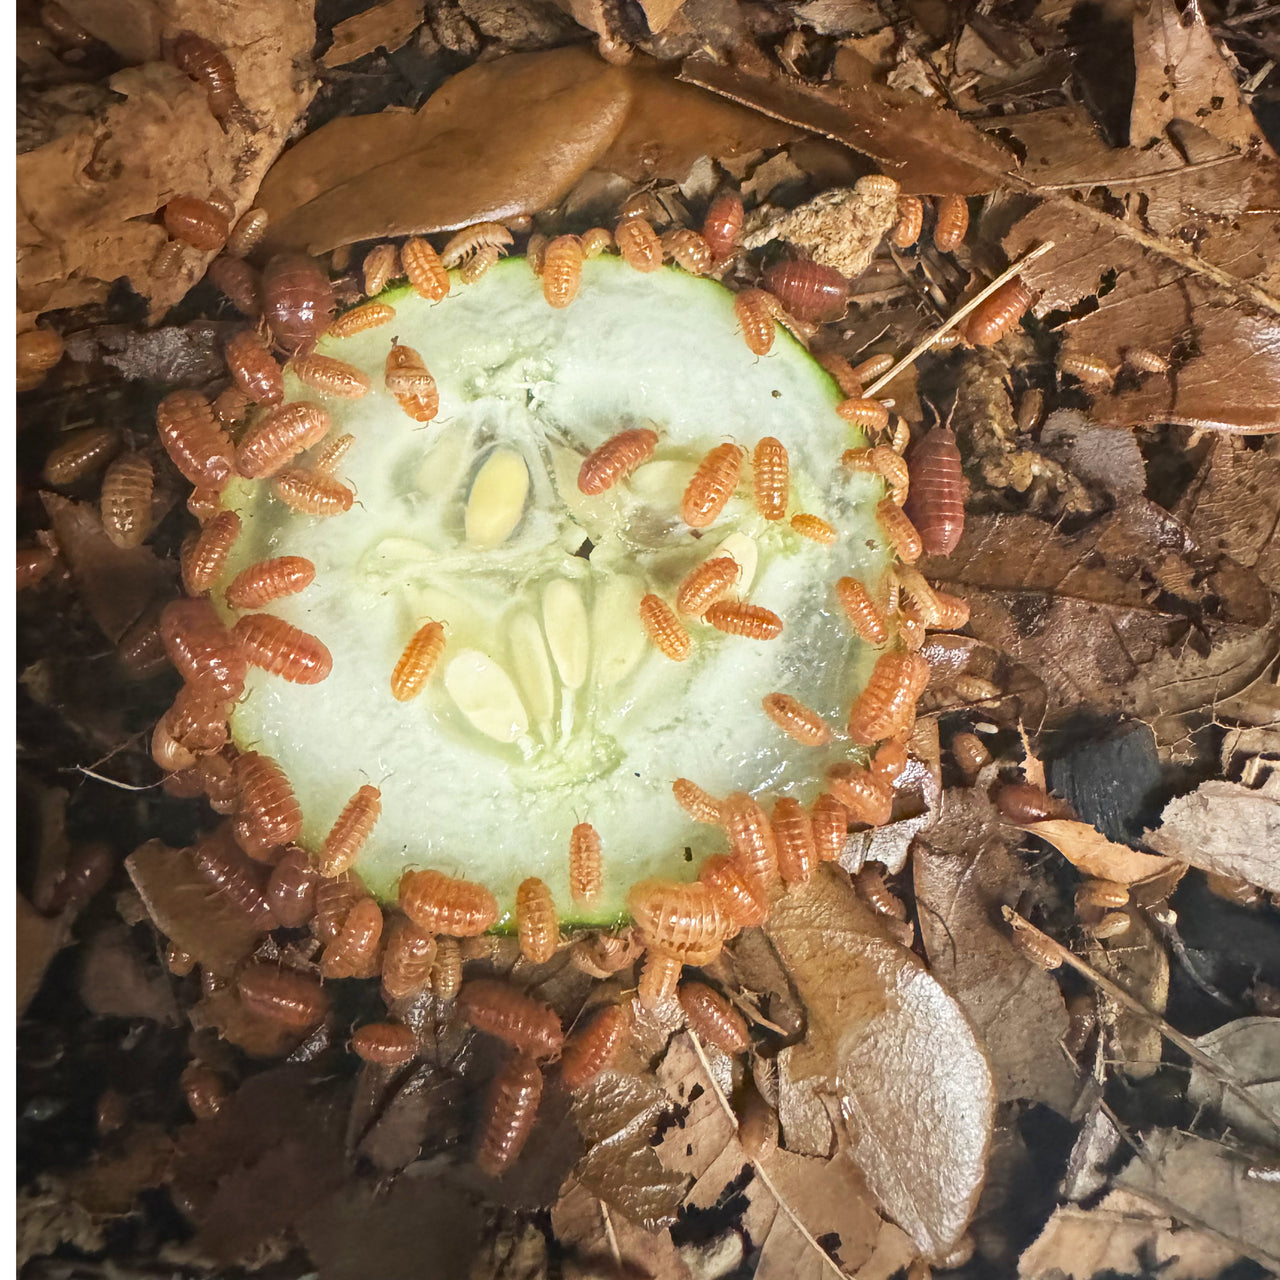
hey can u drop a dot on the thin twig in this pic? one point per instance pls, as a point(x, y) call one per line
point(921, 347)
point(1188, 1046)
point(757, 1166)
point(610, 1234)
point(1137, 181)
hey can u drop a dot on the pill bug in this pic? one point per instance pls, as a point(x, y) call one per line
point(996, 314)
point(207, 65)
point(700, 805)
point(841, 372)
point(220, 864)
point(350, 832)
point(898, 530)
point(737, 618)
point(417, 662)
point(862, 611)
point(333, 902)
point(771, 478)
point(426, 272)
point(877, 184)
point(291, 889)
point(537, 922)
point(381, 263)
point(35, 353)
point(247, 233)
point(239, 282)
point(201, 648)
point(757, 313)
point(167, 752)
point(465, 244)
point(687, 249)
point(281, 648)
point(293, 999)
point(355, 952)
point(793, 831)
point(269, 580)
point(815, 528)
point(616, 459)
point(889, 759)
point(952, 224)
point(952, 612)
point(194, 441)
point(863, 412)
point(866, 798)
point(871, 368)
point(586, 868)
point(741, 898)
point(796, 720)
point(1089, 369)
point(703, 585)
point(723, 224)
point(712, 485)
point(330, 377)
point(125, 502)
point(196, 222)
point(830, 827)
point(1024, 802)
point(638, 244)
point(385, 1044)
point(751, 837)
point(499, 1010)
point(312, 493)
point(906, 231)
point(593, 1049)
point(664, 628)
point(407, 960)
point(916, 595)
point(407, 377)
point(875, 892)
point(809, 291)
point(510, 1111)
point(369, 315)
point(1146, 361)
point(297, 300)
point(659, 977)
point(203, 1090)
point(936, 502)
point(285, 431)
point(712, 1018)
point(266, 799)
point(675, 916)
point(562, 270)
point(198, 720)
point(888, 700)
point(442, 904)
point(883, 462)
point(970, 753)
point(254, 368)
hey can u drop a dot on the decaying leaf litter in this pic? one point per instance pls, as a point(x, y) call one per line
point(918, 1092)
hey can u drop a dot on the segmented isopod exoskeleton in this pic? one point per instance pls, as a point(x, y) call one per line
point(166, 751)
point(952, 611)
point(511, 1109)
point(872, 889)
point(659, 977)
point(194, 441)
point(219, 863)
point(889, 759)
point(1087, 368)
point(687, 249)
point(757, 313)
point(204, 504)
point(936, 502)
point(871, 368)
point(407, 377)
point(291, 889)
point(297, 300)
point(586, 868)
point(202, 649)
point(723, 224)
point(333, 453)
point(239, 282)
point(808, 290)
point(35, 353)
point(354, 953)
point(417, 662)
point(247, 234)
point(231, 406)
point(196, 222)
point(464, 244)
point(841, 373)
point(712, 485)
point(126, 500)
point(603, 954)
point(562, 270)
point(1146, 361)
point(281, 648)
point(796, 720)
point(266, 800)
point(333, 902)
point(286, 431)
point(330, 377)
point(751, 836)
point(350, 832)
point(407, 960)
point(498, 1009)
point(664, 628)
point(595, 241)
point(906, 230)
point(203, 1089)
point(674, 916)
point(879, 184)
point(712, 1018)
point(478, 265)
point(1095, 896)
point(862, 611)
point(536, 921)
point(287, 996)
point(952, 223)
point(254, 368)
point(737, 618)
point(638, 244)
point(312, 493)
point(996, 314)
point(883, 462)
point(442, 904)
point(771, 478)
point(369, 315)
point(1024, 802)
point(866, 798)
point(386, 1044)
point(700, 805)
point(742, 899)
point(888, 701)
point(913, 587)
point(793, 831)
point(590, 1051)
point(869, 414)
point(206, 64)
point(203, 563)
point(269, 580)
point(898, 530)
point(970, 753)
point(830, 827)
point(381, 263)
point(426, 272)
point(815, 528)
point(616, 459)
point(706, 583)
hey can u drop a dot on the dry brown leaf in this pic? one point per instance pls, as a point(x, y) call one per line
point(257, 1034)
point(1225, 828)
point(39, 939)
point(913, 1084)
point(1087, 848)
point(603, 1241)
point(1137, 962)
point(110, 1184)
point(115, 981)
point(1248, 1050)
point(384, 26)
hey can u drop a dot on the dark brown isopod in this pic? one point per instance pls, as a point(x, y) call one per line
point(239, 282)
point(935, 504)
point(294, 999)
point(201, 648)
point(221, 864)
point(523, 1022)
point(591, 1050)
point(1024, 802)
point(386, 1044)
point(205, 63)
point(713, 1018)
point(291, 889)
point(297, 300)
point(996, 314)
point(512, 1108)
point(808, 290)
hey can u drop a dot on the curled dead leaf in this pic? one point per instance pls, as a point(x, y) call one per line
point(1087, 848)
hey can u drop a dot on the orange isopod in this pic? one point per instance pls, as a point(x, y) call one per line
point(426, 272)
point(677, 917)
point(266, 800)
point(886, 704)
point(254, 368)
point(201, 648)
point(757, 313)
point(996, 314)
point(952, 611)
point(562, 270)
point(594, 242)
point(664, 628)
point(287, 996)
point(281, 648)
point(810, 291)
point(771, 478)
point(354, 953)
point(441, 904)
point(593, 1049)
point(407, 960)
point(742, 900)
point(238, 281)
point(498, 1009)
point(952, 223)
point(712, 485)
point(203, 503)
point(312, 493)
point(659, 977)
point(35, 353)
point(407, 377)
point(884, 462)
point(207, 65)
point(871, 368)
point(218, 862)
point(209, 552)
point(638, 244)
point(196, 222)
point(687, 249)
point(1087, 368)
point(712, 1018)
point(906, 230)
point(126, 500)
point(193, 439)
point(511, 1109)
point(198, 720)
point(537, 921)
point(876, 184)
point(381, 263)
point(890, 759)
point(348, 836)
point(830, 827)
point(737, 618)
point(897, 528)
point(863, 412)
point(417, 662)
point(616, 459)
point(586, 868)
point(751, 836)
point(602, 954)
point(705, 584)
point(866, 798)
point(862, 611)
point(1146, 361)
point(793, 831)
point(368, 315)
point(796, 720)
point(723, 224)
point(700, 805)
point(815, 528)
point(872, 889)
point(231, 406)
point(333, 902)
point(330, 377)
point(270, 580)
point(279, 437)
point(291, 889)
point(970, 753)
point(446, 972)
point(386, 1044)
point(841, 372)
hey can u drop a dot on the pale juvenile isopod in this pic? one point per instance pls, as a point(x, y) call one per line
point(441, 904)
point(297, 300)
point(279, 647)
point(201, 648)
point(871, 368)
point(916, 594)
point(126, 500)
point(478, 265)
point(269, 580)
point(330, 377)
point(426, 272)
point(407, 960)
point(516, 1019)
point(808, 290)
point(1087, 368)
point(196, 222)
point(312, 493)
point(771, 478)
point(659, 977)
point(369, 315)
point(593, 1049)
point(687, 249)
point(862, 611)
point(996, 314)
point(898, 530)
point(354, 953)
point(207, 65)
point(291, 889)
point(796, 720)
point(417, 662)
point(586, 867)
point(936, 503)
point(793, 831)
point(1146, 361)
point(254, 368)
point(830, 827)
point(700, 805)
point(165, 264)
point(36, 352)
point(883, 462)
point(876, 184)
point(906, 230)
point(737, 618)
point(266, 800)
point(535, 249)
point(887, 703)
point(194, 441)
point(815, 528)
point(970, 753)
point(703, 585)
point(333, 453)
point(562, 270)
point(755, 848)
point(676, 917)
point(465, 244)
point(952, 223)
point(616, 459)
point(537, 923)
point(742, 899)
point(757, 313)
point(712, 1018)
point(872, 889)
point(638, 244)
point(511, 1109)
point(247, 234)
point(239, 282)
point(381, 263)
point(350, 832)
point(664, 628)
point(712, 485)
point(386, 1044)
point(723, 224)
point(286, 431)
point(869, 414)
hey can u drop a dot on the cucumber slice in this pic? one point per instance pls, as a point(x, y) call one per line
point(550, 705)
